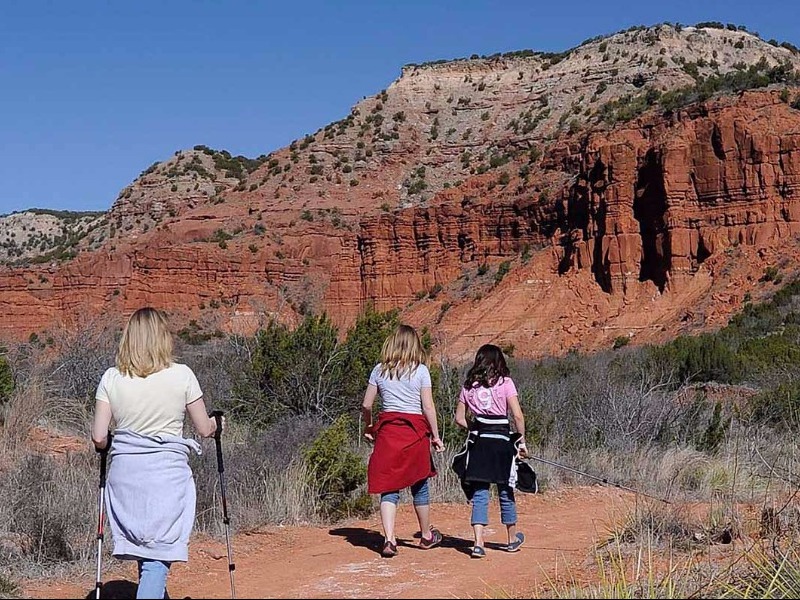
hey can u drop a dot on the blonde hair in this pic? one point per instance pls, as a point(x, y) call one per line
point(402, 352)
point(146, 344)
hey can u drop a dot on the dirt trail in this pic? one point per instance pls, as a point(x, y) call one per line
point(342, 562)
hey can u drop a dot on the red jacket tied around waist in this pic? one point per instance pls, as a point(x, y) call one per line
point(402, 453)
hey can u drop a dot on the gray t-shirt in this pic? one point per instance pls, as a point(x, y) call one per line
point(403, 394)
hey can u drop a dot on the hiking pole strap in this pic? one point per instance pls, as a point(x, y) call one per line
point(600, 479)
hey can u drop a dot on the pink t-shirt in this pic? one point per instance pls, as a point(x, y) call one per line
point(489, 401)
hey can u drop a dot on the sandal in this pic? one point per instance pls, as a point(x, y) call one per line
point(389, 550)
point(433, 541)
point(514, 546)
point(478, 552)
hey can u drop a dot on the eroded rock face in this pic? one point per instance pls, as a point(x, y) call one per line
point(501, 225)
point(653, 203)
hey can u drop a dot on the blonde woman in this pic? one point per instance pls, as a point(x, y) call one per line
point(403, 434)
point(150, 494)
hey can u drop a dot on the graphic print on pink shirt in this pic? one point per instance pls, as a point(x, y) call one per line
point(489, 401)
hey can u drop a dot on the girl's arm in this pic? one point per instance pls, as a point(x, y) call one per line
point(204, 425)
point(429, 410)
point(461, 415)
point(519, 422)
point(100, 424)
point(366, 411)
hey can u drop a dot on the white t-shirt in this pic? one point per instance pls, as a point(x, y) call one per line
point(403, 394)
point(152, 405)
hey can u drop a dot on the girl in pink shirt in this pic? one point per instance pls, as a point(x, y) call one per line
point(490, 451)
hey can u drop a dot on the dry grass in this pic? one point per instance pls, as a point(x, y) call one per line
point(48, 503)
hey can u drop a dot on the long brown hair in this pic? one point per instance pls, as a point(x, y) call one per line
point(489, 367)
point(402, 352)
point(146, 344)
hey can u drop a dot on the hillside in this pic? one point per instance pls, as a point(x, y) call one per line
point(38, 234)
point(627, 187)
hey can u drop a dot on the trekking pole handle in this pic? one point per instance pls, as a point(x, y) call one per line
point(217, 416)
point(104, 459)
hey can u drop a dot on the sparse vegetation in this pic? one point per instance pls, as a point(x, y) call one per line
point(502, 271)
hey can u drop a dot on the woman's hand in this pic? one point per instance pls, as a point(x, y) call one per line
point(438, 444)
point(214, 425)
point(523, 450)
point(369, 434)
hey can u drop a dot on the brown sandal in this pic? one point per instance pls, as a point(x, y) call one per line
point(433, 541)
point(389, 550)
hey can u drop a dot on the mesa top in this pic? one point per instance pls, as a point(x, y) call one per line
point(152, 405)
point(403, 394)
point(489, 401)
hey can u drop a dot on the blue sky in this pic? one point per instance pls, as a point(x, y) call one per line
point(92, 92)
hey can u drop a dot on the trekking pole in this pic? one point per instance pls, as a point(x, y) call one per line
point(101, 505)
point(600, 479)
point(217, 414)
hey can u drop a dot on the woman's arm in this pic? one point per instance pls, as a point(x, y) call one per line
point(366, 410)
point(429, 410)
point(100, 424)
point(519, 421)
point(204, 425)
point(461, 415)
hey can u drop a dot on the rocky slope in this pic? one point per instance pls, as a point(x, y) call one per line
point(38, 234)
point(541, 201)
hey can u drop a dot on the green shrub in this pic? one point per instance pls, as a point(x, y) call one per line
point(308, 370)
point(779, 406)
point(706, 357)
point(502, 271)
point(483, 268)
point(337, 474)
point(306, 215)
point(6, 380)
point(8, 589)
point(220, 235)
point(770, 273)
point(362, 347)
point(621, 341)
point(417, 186)
point(715, 433)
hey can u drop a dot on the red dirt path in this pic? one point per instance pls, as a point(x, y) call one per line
point(342, 562)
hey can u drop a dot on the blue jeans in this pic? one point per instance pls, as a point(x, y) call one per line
point(480, 504)
point(419, 491)
point(152, 578)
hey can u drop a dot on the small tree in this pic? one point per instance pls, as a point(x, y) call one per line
point(363, 347)
point(336, 473)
